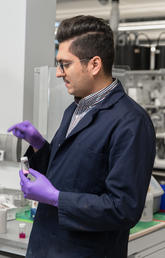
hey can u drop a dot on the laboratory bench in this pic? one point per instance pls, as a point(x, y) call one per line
point(10, 241)
point(9, 255)
point(148, 242)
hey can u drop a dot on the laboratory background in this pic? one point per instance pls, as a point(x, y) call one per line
point(29, 90)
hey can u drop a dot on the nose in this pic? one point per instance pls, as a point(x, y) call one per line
point(59, 72)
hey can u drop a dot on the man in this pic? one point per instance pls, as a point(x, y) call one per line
point(93, 177)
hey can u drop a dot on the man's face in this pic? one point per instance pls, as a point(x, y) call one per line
point(76, 74)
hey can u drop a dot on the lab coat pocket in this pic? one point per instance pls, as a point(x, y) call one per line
point(92, 170)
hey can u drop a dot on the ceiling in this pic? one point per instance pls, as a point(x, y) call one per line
point(129, 9)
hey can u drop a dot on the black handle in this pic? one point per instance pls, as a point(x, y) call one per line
point(146, 36)
point(158, 40)
point(127, 38)
point(129, 41)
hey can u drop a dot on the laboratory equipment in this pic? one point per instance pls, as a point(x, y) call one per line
point(131, 53)
point(153, 200)
point(147, 87)
point(2, 152)
point(160, 53)
point(147, 214)
point(157, 192)
point(11, 147)
point(160, 143)
point(50, 100)
point(33, 209)
point(3, 219)
point(162, 204)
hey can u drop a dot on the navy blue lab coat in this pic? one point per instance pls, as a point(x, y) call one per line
point(102, 170)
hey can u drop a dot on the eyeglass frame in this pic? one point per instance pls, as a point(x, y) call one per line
point(64, 65)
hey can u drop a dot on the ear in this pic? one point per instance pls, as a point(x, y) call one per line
point(95, 65)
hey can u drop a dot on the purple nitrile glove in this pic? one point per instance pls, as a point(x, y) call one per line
point(29, 133)
point(40, 190)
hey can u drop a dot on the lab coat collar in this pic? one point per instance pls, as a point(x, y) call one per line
point(112, 98)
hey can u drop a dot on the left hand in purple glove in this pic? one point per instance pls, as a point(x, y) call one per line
point(25, 130)
point(40, 190)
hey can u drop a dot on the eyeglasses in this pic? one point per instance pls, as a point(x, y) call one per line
point(62, 65)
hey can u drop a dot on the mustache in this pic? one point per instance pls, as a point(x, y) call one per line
point(65, 80)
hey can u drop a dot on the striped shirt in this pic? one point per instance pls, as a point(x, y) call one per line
point(84, 105)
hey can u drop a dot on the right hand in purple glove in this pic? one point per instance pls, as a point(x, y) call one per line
point(41, 189)
point(29, 133)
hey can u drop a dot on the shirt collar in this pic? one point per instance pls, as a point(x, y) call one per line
point(94, 98)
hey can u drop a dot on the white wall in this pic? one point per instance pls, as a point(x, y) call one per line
point(27, 41)
point(12, 48)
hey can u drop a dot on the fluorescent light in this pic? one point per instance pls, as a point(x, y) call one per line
point(132, 26)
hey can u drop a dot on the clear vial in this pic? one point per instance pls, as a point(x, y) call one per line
point(25, 168)
point(22, 230)
point(25, 165)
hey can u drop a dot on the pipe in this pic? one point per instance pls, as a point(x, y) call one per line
point(115, 18)
point(115, 15)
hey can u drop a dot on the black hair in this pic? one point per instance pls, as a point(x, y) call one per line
point(92, 37)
